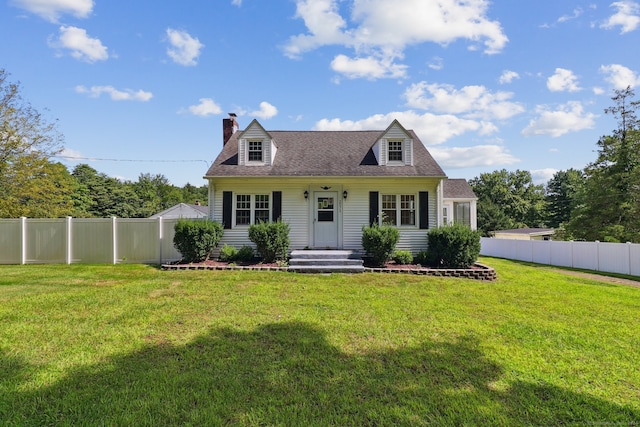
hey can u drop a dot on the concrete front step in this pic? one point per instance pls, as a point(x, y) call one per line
point(325, 261)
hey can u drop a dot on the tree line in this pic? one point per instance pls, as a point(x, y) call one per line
point(600, 202)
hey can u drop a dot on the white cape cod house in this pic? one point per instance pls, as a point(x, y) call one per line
point(327, 185)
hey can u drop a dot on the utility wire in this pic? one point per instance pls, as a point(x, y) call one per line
point(129, 160)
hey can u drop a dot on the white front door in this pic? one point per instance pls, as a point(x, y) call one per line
point(325, 220)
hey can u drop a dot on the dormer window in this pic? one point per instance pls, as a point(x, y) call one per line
point(395, 151)
point(255, 151)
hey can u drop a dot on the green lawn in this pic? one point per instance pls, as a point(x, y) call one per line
point(133, 345)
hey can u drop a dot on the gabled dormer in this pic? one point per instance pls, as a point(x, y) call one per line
point(394, 147)
point(255, 146)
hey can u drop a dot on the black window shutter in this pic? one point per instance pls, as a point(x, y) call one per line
point(423, 206)
point(227, 208)
point(276, 211)
point(373, 207)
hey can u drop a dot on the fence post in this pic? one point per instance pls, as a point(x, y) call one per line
point(629, 258)
point(597, 255)
point(571, 253)
point(23, 240)
point(69, 249)
point(160, 238)
point(114, 234)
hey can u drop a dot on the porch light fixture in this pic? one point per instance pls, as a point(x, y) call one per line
point(306, 194)
point(344, 194)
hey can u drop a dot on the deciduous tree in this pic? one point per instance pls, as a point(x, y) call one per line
point(30, 184)
point(508, 200)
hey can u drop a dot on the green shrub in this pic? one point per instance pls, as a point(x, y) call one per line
point(454, 246)
point(402, 257)
point(379, 242)
point(228, 254)
point(421, 258)
point(195, 239)
point(245, 254)
point(271, 239)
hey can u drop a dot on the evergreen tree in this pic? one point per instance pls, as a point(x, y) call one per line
point(609, 204)
point(561, 196)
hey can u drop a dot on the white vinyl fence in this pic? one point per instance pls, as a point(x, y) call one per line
point(87, 241)
point(623, 258)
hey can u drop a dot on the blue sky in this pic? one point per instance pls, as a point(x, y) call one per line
point(142, 86)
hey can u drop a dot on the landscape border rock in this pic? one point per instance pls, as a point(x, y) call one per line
point(478, 272)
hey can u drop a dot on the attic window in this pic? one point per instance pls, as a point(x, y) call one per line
point(395, 151)
point(255, 151)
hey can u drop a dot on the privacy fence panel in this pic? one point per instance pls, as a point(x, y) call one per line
point(46, 241)
point(169, 252)
point(623, 258)
point(138, 241)
point(92, 241)
point(10, 241)
point(87, 241)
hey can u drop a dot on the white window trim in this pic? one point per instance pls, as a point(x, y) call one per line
point(400, 162)
point(252, 208)
point(398, 197)
point(262, 151)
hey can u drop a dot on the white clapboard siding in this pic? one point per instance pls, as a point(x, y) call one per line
point(297, 211)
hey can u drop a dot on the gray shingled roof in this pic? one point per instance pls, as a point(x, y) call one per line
point(324, 153)
point(532, 231)
point(457, 188)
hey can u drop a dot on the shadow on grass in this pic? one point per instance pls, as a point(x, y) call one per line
point(288, 374)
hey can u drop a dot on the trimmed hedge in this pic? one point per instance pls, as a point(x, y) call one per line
point(196, 239)
point(271, 239)
point(379, 242)
point(453, 246)
point(402, 257)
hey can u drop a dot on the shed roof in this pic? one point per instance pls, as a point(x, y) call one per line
point(530, 231)
point(325, 153)
point(183, 210)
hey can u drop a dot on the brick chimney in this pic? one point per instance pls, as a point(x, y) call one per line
point(229, 127)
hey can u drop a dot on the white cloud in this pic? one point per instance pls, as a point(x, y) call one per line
point(236, 2)
point(51, 10)
point(184, 49)
point(266, 111)
point(620, 76)
point(627, 16)
point(542, 176)
point(470, 101)
point(115, 94)
point(82, 47)
point(563, 81)
point(370, 67)
point(324, 23)
point(436, 63)
point(467, 157)
point(206, 107)
point(576, 13)
point(379, 33)
point(71, 155)
point(569, 117)
point(508, 76)
point(431, 128)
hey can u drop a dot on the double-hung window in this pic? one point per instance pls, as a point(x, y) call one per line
point(462, 213)
point(399, 209)
point(394, 149)
point(254, 152)
point(252, 208)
